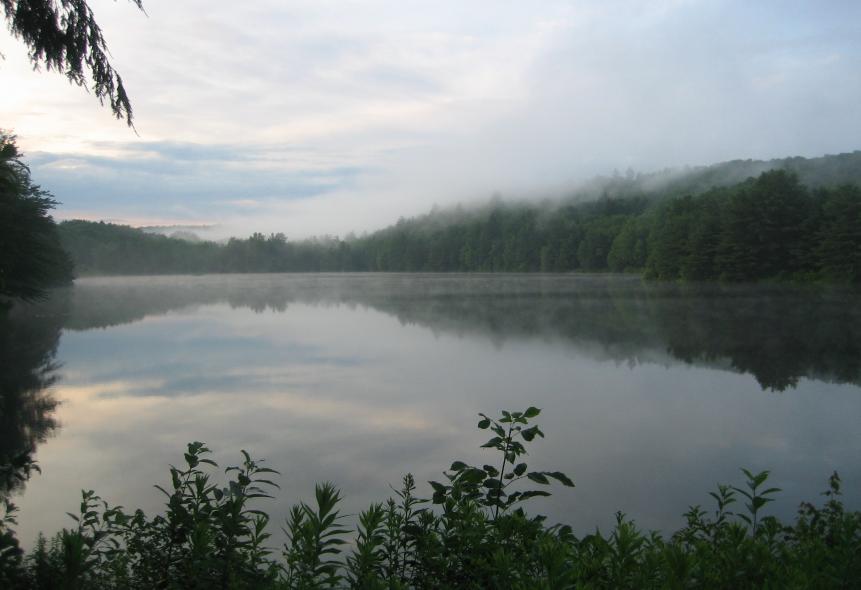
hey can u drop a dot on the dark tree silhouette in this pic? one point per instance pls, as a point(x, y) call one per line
point(63, 35)
point(31, 258)
point(29, 337)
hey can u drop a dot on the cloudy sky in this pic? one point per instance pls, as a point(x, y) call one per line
point(321, 117)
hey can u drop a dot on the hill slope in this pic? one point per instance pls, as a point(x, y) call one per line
point(801, 219)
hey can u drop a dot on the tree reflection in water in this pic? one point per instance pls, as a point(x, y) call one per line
point(777, 333)
point(29, 336)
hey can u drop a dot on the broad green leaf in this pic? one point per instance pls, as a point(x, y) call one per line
point(538, 477)
point(560, 477)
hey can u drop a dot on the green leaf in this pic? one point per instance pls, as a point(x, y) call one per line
point(538, 477)
point(760, 478)
point(533, 493)
point(473, 475)
point(458, 466)
point(743, 493)
point(560, 477)
point(520, 469)
point(484, 423)
point(759, 501)
point(529, 433)
point(531, 412)
point(492, 442)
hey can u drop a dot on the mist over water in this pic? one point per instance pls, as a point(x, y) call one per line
point(651, 393)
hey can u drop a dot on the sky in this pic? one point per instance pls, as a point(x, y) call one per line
point(319, 117)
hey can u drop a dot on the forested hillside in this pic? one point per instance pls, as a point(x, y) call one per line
point(789, 223)
point(833, 170)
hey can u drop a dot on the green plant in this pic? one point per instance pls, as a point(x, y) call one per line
point(490, 486)
point(210, 536)
point(757, 498)
point(315, 541)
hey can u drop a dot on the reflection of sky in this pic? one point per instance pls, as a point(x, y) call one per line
point(351, 394)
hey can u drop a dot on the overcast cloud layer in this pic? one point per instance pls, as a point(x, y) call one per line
point(322, 117)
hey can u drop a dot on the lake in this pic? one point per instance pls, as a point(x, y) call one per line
point(651, 393)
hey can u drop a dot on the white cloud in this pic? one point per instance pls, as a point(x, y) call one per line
point(332, 116)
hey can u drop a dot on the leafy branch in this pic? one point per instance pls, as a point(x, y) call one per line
point(490, 486)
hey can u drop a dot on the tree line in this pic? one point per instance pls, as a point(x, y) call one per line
point(772, 226)
point(768, 227)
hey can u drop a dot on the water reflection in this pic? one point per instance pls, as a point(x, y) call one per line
point(778, 334)
point(359, 379)
point(28, 345)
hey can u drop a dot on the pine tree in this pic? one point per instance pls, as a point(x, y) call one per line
point(31, 258)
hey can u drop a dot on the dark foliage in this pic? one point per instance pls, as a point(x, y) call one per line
point(31, 258)
point(28, 345)
point(771, 227)
point(63, 35)
point(473, 536)
point(27, 348)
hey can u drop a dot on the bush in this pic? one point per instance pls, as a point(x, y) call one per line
point(472, 533)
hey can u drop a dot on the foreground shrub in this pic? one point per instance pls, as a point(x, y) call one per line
point(472, 533)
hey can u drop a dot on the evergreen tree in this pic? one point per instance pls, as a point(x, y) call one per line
point(839, 239)
point(669, 244)
point(628, 251)
point(31, 259)
point(764, 228)
point(597, 239)
point(703, 240)
point(63, 35)
point(741, 247)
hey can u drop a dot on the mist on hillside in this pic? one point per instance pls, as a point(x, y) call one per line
point(828, 170)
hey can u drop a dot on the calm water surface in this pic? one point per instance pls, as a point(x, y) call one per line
point(651, 393)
